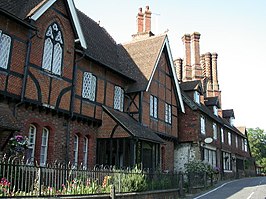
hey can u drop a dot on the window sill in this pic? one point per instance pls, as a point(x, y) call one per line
point(228, 171)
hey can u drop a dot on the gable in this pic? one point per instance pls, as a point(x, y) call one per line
point(37, 11)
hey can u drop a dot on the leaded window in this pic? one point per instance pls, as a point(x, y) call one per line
point(227, 161)
point(119, 98)
point(5, 46)
point(44, 147)
point(168, 113)
point(53, 50)
point(197, 97)
point(153, 106)
point(210, 156)
point(89, 86)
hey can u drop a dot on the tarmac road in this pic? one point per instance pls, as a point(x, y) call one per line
point(247, 188)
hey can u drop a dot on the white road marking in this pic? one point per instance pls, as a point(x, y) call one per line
point(213, 190)
point(250, 195)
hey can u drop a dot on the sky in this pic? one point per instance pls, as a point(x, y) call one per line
point(235, 29)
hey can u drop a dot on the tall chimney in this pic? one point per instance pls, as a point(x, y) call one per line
point(179, 69)
point(147, 19)
point(202, 64)
point(140, 20)
point(209, 89)
point(187, 73)
point(195, 56)
point(214, 72)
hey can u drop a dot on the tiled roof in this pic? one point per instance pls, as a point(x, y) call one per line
point(145, 54)
point(228, 113)
point(133, 127)
point(191, 86)
point(7, 120)
point(212, 101)
point(19, 8)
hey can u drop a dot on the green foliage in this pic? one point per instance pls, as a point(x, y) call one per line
point(135, 181)
point(257, 143)
point(17, 145)
point(197, 166)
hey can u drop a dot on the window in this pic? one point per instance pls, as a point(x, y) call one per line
point(5, 45)
point(202, 124)
point(76, 151)
point(245, 145)
point(53, 50)
point(44, 147)
point(168, 113)
point(214, 126)
point(119, 98)
point(89, 86)
point(31, 143)
point(222, 135)
point(229, 138)
point(236, 141)
point(153, 106)
point(215, 110)
point(197, 97)
point(232, 120)
point(85, 152)
point(227, 164)
point(210, 156)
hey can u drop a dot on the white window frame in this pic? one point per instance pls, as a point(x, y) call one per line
point(210, 156)
point(119, 98)
point(31, 142)
point(153, 106)
point(227, 162)
point(214, 126)
point(202, 125)
point(229, 137)
point(168, 113)
point(215, 110)
point(196, 97)
point(245, 145)
point(5, 48)
point(85, 151)
point(76, 149)
point(44, 146)
point(222, 135)
point(89, 86)
point(53, 50)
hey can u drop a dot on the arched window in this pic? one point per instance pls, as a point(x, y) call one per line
point(76, 150)
point(53, 50)
point(44, 147)
point(31, 143)
point(5, 44)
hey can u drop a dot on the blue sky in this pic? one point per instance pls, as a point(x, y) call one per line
point(235, 29)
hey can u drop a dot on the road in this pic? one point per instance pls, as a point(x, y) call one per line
point(247, 188)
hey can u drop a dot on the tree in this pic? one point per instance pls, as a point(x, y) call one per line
point(257, 143)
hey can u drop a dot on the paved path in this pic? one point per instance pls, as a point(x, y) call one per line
point(247, 188)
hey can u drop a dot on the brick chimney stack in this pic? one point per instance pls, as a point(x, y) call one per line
point(147, 17)
point(140, 20)
point(187, 72)
point(143, 24)
point(195, 56)
point(214, 72)
point(179, 69)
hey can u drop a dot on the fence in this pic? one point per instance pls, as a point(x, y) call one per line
point(20, 178)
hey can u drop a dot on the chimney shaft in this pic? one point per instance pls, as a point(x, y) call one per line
point(187, 73)
point(147, 19)
point(214, 72)
point(179, 69)
point(195, 56)
point(140, 20)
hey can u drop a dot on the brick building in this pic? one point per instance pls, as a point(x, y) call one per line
point(79, 96)
point(206, 131)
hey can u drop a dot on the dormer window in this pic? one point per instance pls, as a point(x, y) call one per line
point(215, 110)
point(197, 97)
point(119, 98)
